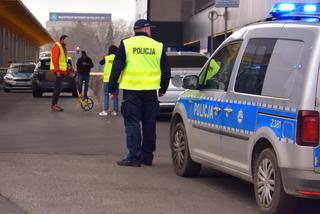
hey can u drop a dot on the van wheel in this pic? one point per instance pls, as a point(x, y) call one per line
point(268, 188)
point(183, 164)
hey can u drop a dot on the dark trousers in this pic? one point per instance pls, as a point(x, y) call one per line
point(83, 79)
point(140, 106)
point(57, 90)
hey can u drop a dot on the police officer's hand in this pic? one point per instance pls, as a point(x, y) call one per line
point(161, 94)
point(58, 74)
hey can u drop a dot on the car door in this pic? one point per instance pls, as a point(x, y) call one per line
point(240, 106)
point(207, 104)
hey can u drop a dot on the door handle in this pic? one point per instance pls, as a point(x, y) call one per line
point(217, 109)
point(228, 110)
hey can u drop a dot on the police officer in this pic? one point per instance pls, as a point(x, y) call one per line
point(143, 65)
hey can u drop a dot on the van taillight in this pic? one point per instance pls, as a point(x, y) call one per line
point(308, 128)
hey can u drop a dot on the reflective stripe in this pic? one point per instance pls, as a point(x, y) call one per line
point(142, 70)
point(63, 59)
point(108, 67)
point(246, 118)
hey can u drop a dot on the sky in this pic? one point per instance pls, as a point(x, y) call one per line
point(124, 9)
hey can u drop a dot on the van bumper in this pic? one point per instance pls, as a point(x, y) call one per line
point(301, 183)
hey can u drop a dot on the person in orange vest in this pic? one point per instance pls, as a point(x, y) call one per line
point(60, 67)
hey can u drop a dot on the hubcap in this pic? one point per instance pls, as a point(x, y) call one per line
point(266, 183)
point(179, 148)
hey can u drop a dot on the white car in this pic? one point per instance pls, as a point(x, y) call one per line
point(19, 76)
point(182, 64)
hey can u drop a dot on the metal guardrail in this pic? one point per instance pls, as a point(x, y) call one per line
point(3, 72)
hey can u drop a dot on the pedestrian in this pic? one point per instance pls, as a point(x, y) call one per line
point(142, 66)
point(60, 67)
point(107, 61)
point(84, 65)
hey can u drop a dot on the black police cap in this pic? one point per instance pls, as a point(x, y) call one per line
point(141, 23)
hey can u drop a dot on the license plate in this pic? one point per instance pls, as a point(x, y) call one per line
point(23, 83)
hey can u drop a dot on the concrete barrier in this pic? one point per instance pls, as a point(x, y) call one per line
point(96, 85)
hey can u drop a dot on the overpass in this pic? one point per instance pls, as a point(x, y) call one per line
point(21, 34)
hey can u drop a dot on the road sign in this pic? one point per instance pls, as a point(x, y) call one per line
point(95, 17)
point(227, 3)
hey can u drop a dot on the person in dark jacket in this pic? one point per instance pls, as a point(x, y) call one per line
point(84, 65)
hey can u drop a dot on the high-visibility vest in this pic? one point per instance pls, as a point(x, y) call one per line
point(213, 69)
point(143, 69)
point(108, 67)
point(63, 60)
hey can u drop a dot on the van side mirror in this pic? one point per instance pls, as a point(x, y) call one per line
point(191, 82)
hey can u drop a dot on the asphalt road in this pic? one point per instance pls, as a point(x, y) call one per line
point(65, 163)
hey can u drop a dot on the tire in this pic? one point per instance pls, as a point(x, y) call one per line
point(183, 164)
point(6, 90)
point(36, 93)
point(275, 200)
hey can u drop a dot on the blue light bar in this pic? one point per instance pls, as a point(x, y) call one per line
point(286, 7)
point(295, 8)
point(310, 8)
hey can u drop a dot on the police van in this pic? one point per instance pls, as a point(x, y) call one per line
point(253, 112)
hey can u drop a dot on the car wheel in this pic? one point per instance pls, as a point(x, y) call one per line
point(269, 192)
point(183, 164)
point(36, 93)
point(6, 90)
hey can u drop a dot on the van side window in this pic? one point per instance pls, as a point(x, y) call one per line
point(218, 70)
point(284, 70)
point(254, 65)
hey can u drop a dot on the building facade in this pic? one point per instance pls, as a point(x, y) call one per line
point(186, 22)
point(21, 34)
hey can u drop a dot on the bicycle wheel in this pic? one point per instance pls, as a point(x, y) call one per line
point(87, 105)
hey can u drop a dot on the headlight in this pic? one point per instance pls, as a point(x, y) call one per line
point(8, 77)
point(177, 81)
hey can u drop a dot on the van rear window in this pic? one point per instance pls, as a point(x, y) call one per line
point(281, 77)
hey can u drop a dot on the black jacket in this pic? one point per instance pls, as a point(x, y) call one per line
point(120, 62)
point(84, 65)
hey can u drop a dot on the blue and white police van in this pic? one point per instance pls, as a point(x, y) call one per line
point(253, 112)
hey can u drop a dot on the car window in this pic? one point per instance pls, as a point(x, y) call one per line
point(44, 64)
point(216, 74)
point(253, 67)
point(187, 61)
point(284, 69)
point(22, 68)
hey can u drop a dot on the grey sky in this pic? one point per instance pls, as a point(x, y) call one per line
point(124, 9)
